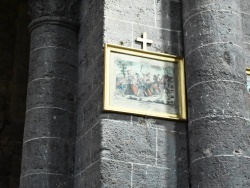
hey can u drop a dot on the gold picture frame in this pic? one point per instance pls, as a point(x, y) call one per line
point(144, 83)
point(248, 79)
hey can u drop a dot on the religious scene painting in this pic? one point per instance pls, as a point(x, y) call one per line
point(248, 80)
point(142, 83)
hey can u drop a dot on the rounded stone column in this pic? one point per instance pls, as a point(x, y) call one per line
point(48, 147)
point(219, 124)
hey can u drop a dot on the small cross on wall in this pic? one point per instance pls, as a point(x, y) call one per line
point(144, 40)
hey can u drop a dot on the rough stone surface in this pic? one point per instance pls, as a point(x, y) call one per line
point(116, 174)
point(54, 156)
point(219, 137)
point(147, 177)
point(136, 143)
point(89, 95)
point(119, 144)
point(49, 142)
point(39, 123)
point(227, 171)
point(218, 102)
point(133, 11)
point(46, 180)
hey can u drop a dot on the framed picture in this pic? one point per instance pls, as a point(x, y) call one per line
point(248, 79)
point(144, 83)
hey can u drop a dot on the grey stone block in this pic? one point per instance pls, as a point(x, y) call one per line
point(115, 174)
point(54, 35)
point(86, 22)
point(222, 62)
point(97, 71)
point(209, 27)
point(245, 27)
point(92, 177)
point(92, 109)
point(192, 7)
point(148, 177)
point(217, 99)
point(138, 11)
point(125, 142)
point(163, 40)
point(88, 148)
point(77, 181)
point(168, 125)
point(118, 32)
point(220, 136)
point(246, 54)
point(99, 11)
point(85, 89)
point(221, 172)
point(51, 93)
point(85, 6)
point(80, 122)
point(90, 49)
point(83, 155)
point(169, 14)
point(49, 123)
point(53, 62)
point(96, 149)
point(245, 6)
point(48, 156)
point(46, 180)
point(172, 150)
point(116, 116)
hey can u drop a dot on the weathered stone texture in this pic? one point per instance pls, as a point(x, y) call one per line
point(152, 153)
point(217, 97)
point(245, 14)
point(132, 11)
point(48, 149)
point(90, 82)
point(123, 28)
point(116, 174)
point(227, 57)
point(219, 137)
point(121, 143)
point(147, 177)
point(226, 171)
point(39, 123)
point(46, 180)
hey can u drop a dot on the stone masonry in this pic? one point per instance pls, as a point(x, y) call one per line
point(70, 142)
point(218, 101)
point(115, 150)
point(49, 134)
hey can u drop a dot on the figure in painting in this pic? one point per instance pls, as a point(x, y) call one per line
point(156, 85)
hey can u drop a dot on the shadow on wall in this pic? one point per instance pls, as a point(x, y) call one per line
point(14, 60)
point(176, 139)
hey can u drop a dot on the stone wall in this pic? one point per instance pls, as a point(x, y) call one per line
point(245, 14)
point(90, 85)
point(117, 150)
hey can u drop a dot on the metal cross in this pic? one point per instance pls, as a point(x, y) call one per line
point(144, 40)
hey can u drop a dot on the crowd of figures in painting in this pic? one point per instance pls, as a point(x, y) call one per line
point(144, 82)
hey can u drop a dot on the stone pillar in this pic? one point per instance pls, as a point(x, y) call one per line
point(219, 124)
point(49, 133)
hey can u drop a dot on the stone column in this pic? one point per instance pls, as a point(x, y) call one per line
point(219, 124)
point(49, 133)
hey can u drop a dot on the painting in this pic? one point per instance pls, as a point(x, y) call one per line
point(144, 83)
point(248, 79)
